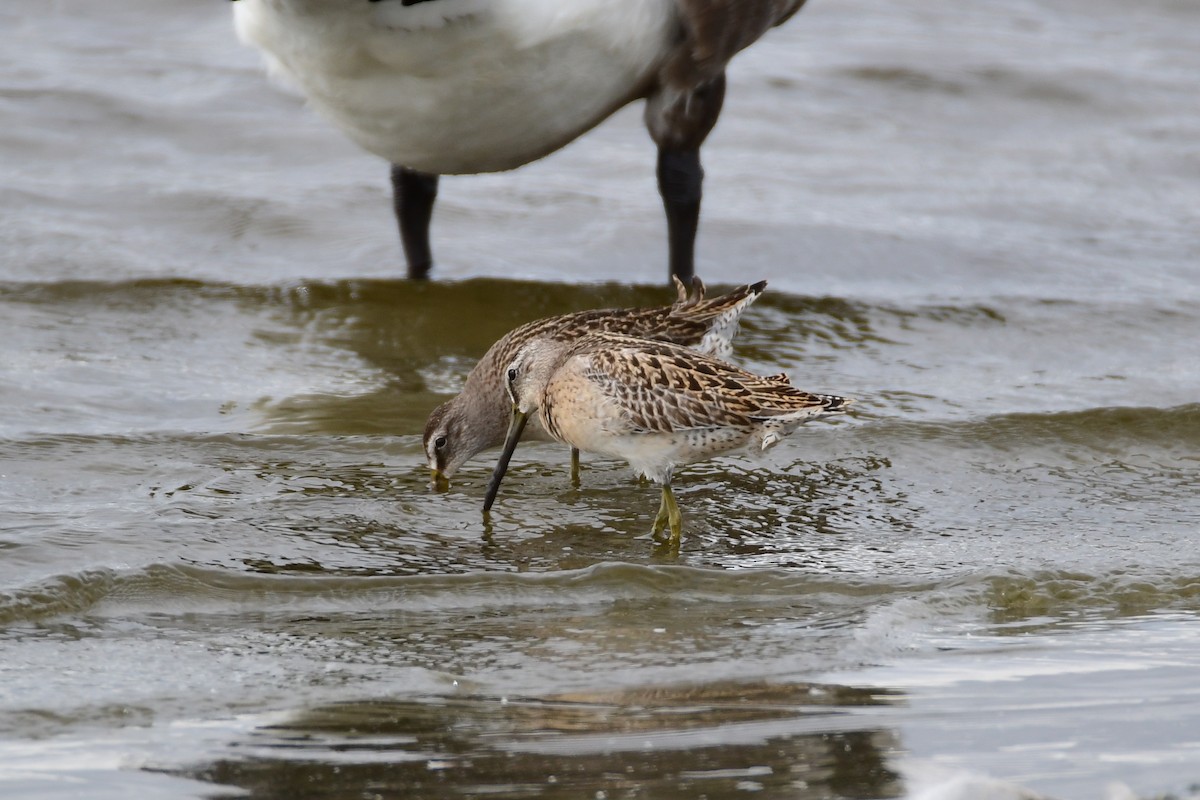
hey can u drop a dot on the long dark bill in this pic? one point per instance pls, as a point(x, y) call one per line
point(515, 428)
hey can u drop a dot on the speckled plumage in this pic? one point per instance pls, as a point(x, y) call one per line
point(653, 388)
point(478, 417)
point(654, 404)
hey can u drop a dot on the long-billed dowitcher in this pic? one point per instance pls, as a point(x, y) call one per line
point(654, 404)
point(441, 87)
point(477, 418)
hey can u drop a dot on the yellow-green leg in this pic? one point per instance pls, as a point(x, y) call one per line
point(668, 514)
point(575, 467)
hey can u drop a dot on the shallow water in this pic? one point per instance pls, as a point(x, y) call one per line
point(222, 571)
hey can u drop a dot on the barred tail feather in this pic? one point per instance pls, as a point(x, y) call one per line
point(725, 313)
point(777, 427)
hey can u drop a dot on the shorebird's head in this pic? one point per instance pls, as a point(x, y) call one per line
point(525, 379)
point(527, 374)
point(440, 431)
point(451, 440)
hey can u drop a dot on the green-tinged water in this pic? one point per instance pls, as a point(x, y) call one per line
point(223, 572)
point(223, 561)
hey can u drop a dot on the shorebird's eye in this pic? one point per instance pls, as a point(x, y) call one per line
point(439, 442)
point(512, 374)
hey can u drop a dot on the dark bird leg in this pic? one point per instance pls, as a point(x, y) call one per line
point(413, 194)
point(679, 180)
point(575, 467)
point(678, 123)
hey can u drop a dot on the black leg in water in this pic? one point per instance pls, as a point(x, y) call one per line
point(413, 194)
point(678, 123)
point(679, 182)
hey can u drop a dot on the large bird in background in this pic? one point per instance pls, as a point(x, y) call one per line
point(442, 87)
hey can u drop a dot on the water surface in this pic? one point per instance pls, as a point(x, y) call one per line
point(222, 572)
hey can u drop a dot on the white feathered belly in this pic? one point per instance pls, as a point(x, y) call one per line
point(462, 86)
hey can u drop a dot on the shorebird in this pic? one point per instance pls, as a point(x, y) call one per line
point(440, 87)
point(654, 404)
point(477, 418)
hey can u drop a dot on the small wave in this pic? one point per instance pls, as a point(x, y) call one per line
point(1019, 602)
point(984, 82)
point(1059, 595)
point(1003, 597)
point(62, 594)
point(1105, 430)
point(167, 589)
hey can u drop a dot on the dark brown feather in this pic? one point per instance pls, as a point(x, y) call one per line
point(662, 387)
point(685, 322)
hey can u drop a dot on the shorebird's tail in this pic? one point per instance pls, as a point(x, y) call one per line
point(809, 407)
point(720, 315)
point(832, 404)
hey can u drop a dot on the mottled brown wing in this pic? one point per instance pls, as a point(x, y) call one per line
point(698, 309)
point(684, 322)
point(661, 387)
point(715, 30)
point(566, 327)
point(639, 321)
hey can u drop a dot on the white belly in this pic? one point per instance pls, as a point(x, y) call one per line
point(462, 86)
